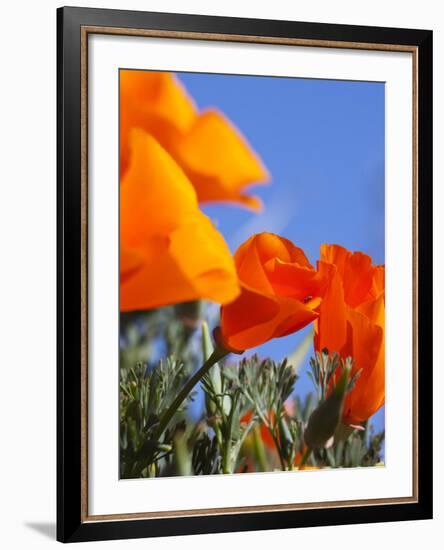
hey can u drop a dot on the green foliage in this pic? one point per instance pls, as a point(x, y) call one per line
point(333, 444)
point(251, 419)
point(144, 396)
point(267, 385)
point(325, 369)
point(245, 394)
point(361, 448)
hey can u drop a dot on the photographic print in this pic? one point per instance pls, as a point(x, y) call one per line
point(252, 261)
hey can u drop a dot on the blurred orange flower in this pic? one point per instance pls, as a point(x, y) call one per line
point(210, 150)
point(169, 250)
point(265, 433)
point(351, 323)
point(280, 293)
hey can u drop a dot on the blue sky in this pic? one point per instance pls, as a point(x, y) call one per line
point(323, 143)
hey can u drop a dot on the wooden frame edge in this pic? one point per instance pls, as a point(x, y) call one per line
point(219, 37)
point(84, 271)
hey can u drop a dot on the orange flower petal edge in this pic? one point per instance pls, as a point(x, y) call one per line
point(170, 251)
point(215, 156)
point(219, 161)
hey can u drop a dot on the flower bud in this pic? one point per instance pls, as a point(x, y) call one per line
point(325, 418)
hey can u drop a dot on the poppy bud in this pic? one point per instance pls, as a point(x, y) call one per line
point(325, 418)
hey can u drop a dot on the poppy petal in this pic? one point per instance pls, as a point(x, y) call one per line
point(331, 327)
point(357, 278)
point(219, 161)
point(366, 348)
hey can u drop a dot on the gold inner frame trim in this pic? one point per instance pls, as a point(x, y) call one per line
point(85, 32)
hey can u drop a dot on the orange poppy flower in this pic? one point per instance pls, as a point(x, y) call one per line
point(351, 323)
point(210, 150)
point(170, 251)
point(280, 293)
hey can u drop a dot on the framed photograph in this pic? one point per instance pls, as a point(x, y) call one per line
point(244, 274)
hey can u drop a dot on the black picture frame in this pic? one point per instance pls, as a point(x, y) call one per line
point(71, 525)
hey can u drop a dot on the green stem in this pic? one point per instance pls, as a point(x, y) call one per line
point(226, 458)
point(279, 451)
point(259, 449)
point(218, 434)
point(216, 356)
point(273, 430)
point(305, 457)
